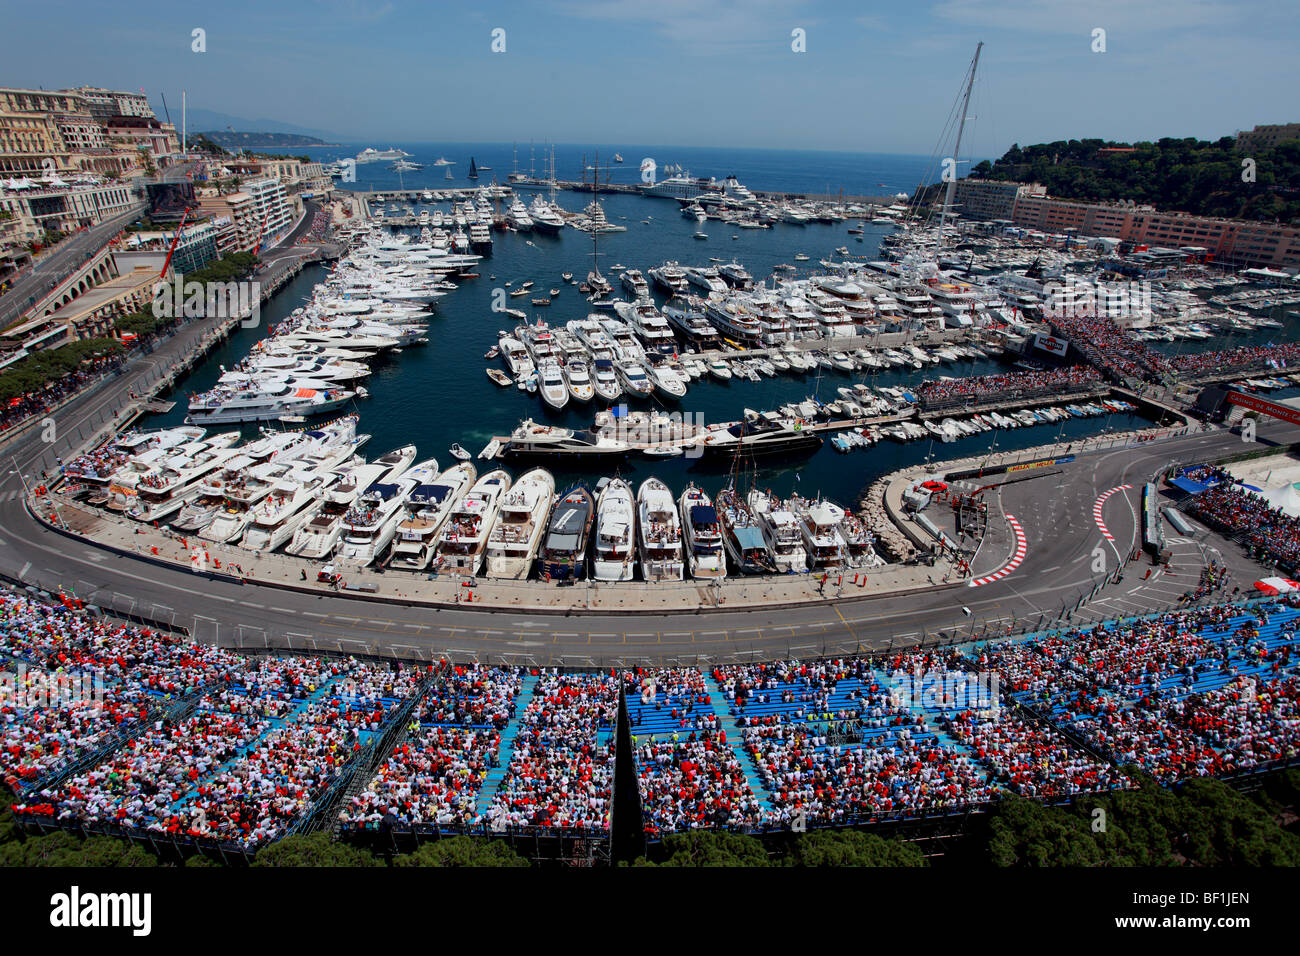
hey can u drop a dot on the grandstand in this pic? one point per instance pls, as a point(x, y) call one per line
point(190, 746)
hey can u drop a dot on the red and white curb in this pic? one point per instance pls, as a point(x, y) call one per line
point(1099, 504)
point(1017, 558)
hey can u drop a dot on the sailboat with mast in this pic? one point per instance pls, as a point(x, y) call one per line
point(473, 170)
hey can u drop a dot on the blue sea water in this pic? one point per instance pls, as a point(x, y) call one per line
point(438, 394)
point(801, 171)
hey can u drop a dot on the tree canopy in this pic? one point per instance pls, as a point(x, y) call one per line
point(462, 851)
point(315, 849)
point(1173, 175)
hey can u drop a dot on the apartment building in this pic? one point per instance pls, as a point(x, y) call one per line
point(1236, 242)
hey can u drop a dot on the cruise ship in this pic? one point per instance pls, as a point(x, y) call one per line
point(372, 155)
point(684, 187)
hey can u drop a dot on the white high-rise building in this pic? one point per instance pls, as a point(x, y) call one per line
point(272, 211)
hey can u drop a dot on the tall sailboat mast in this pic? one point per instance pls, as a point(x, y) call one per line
point(956, 149)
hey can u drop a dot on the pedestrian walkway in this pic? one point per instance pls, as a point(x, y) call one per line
point(735, 742)
point(492, 780)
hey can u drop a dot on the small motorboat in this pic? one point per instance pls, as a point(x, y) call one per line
point(492, 353)
point(541, 302)
point(498, 376)
point(566, 276)
point(518, 292)
point(554, 293)
point(460, 453)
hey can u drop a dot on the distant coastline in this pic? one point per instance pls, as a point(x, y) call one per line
point(234, 139)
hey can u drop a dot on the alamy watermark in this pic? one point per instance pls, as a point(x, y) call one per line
point(953, 690)
point(682, 429)
point(209, 300)
point(24, 688)
point(1116, 300)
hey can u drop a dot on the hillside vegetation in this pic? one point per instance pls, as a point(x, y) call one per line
point(1184, 175)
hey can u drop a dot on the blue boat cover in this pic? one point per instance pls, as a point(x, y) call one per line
point(703, 514)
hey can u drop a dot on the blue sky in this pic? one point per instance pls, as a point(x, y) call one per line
point(875, 77)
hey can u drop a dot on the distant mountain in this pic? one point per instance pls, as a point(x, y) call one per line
point(198, 118)
point(232, 139)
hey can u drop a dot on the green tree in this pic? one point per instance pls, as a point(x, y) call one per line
point(851, 848)
point(64, 849)
point(705, 848)
point(315, 849)
point(1025, 833)
point(462, 851)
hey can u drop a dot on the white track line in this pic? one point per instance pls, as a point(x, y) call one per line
point(1017, 557)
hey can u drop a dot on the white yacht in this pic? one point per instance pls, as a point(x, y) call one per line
point(605, 380)
point(648, 323)
point(819, 523)
point(427, 510)
point(371, 524)
point(614, 548)
point(670, 277)
point(515, 537)
point(515, 356)
point(659, 533)
point(578, 376)
point(463, 541)
point(635, 382)
point(169, 487)
point(666, 378)
point(781, 531)
point(704, 549)
point(279, 515)
point(634, 282)
point(222, 405)
point(706, 280)
point(317, 537)
point(551, 383)
point(546, 217)
point(241, 492)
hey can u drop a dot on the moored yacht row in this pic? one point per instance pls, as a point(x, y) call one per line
point(310, 494)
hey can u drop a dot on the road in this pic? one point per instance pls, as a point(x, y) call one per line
point(53, 267)
point(1056, 512)
point(1057, 515)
